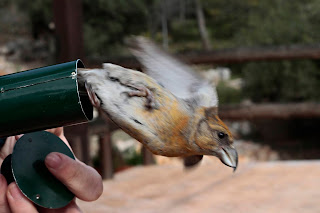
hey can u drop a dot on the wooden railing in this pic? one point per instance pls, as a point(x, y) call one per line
point(103, 128)
point(227, 56)
point(270, 111)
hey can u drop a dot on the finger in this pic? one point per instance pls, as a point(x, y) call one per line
point(7, 148)
point(82, 180)
point(18, 202)
point(17, 137)
point(57, 131)
point(4, 205)
point(70, 208)
point(60, 133)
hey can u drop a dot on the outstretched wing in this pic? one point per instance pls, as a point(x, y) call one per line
point(173, 74)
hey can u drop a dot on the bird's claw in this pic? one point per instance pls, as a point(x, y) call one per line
point(92, 96)
point(143, 92)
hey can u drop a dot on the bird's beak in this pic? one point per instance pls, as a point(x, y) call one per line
point(229, 157)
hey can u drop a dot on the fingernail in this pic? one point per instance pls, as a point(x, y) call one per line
point(14, 191)
point(53, 160)
point(17, 137)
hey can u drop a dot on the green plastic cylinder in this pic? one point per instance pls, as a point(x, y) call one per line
point(43, 98)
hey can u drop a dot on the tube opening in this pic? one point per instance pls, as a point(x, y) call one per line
point(84, 100)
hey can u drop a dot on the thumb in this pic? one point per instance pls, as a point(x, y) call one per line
point(84, 181)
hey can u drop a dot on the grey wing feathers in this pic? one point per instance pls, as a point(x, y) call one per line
point(174, 75)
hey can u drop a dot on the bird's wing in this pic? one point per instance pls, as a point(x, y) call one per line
point(173, 74)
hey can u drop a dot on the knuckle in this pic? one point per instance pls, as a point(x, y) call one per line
point(72, 174)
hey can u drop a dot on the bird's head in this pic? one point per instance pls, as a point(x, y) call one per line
point(214, 138)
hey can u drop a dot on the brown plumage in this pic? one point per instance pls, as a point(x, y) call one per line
point(173, 113)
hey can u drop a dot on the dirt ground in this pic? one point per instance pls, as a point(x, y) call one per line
point(282, 186)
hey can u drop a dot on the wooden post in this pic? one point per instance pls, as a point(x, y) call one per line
point(148, 158)
point(68, 25)
point(69, 34)
point(75, 145)
point(106, 155)
point(79, 141)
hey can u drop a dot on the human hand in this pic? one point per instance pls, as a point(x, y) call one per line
point(82, 180)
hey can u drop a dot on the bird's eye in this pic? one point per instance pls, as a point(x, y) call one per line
point(221, 135)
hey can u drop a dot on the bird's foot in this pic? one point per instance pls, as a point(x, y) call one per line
point(92, 96)
point(142, 91)
point(191, 161)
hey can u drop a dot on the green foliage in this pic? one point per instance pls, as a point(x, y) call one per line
point(277, 22)
point(228, 95)
point(184, 31)
point(282, 81)
point(230, 23)
point(132, 157)
point(225, 18)
point(280, 22)
point(107, 22)
point(39, 12)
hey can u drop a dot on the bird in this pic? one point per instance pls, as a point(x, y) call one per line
point(169, 108)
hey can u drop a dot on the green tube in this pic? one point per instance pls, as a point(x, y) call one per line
point(43, 98)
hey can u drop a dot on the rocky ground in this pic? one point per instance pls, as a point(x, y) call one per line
point(279, 186)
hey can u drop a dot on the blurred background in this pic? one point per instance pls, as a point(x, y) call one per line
point(263, 56)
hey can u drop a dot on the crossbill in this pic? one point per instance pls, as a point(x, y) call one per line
point(170, 109)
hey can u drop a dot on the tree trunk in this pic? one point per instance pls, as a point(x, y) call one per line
point(68, 23)
point(182, 10)
point(202, 26)
point(165, 40)
point(152, 24)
